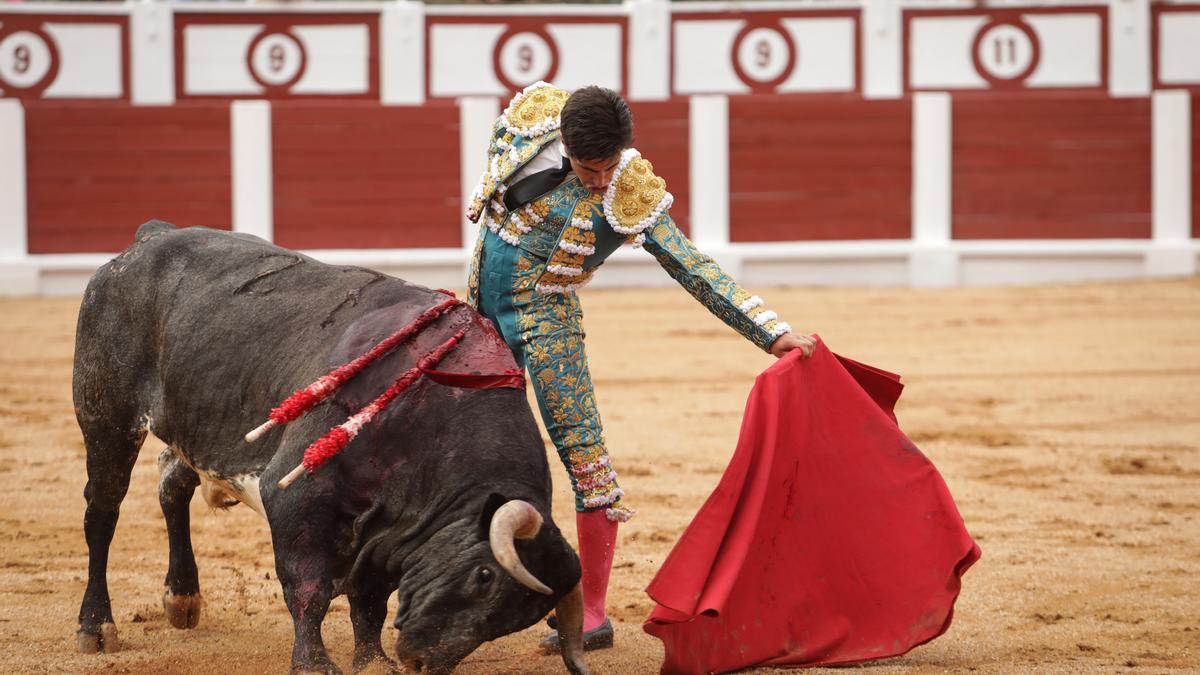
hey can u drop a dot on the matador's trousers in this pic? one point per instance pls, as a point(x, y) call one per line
point(545, 333)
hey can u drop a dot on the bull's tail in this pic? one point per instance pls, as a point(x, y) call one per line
point(152, 227)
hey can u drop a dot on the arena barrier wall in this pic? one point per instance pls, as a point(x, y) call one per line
point(848, 142)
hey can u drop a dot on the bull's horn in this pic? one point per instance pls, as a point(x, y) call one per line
point(569, 613)
point(516, 519)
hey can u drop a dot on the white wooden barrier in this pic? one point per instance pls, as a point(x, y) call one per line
point(877, 49)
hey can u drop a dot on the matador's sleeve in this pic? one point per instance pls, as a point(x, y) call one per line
point(708, 283)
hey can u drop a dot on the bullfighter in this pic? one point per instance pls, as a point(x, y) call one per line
point(563, 189)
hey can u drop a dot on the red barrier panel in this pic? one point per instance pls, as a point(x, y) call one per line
point(829, 169)
point(1051, 166)
point(661, 135)
point(361, 175)
point(96, 171)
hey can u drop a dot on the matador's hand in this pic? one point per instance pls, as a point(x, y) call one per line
point(789, 341)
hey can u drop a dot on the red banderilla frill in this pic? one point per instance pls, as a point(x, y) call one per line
point(304, 399)
point(338, 437)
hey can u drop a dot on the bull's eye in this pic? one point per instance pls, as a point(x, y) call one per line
point(484, 575)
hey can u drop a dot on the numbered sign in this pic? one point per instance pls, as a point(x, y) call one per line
point(763, 56)
point(276, 55)
point(489, 55)
point(1005, 53)
point(1009, 49)
point(766, 51)
point(523, 57)
point(63, 56)
point(277, 60)
point(27, 59)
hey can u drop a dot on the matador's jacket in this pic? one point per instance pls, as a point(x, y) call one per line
point(529, 261)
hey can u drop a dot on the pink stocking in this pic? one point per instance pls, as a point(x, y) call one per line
point(597, 541)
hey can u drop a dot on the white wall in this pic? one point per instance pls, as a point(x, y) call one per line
point(939, 47)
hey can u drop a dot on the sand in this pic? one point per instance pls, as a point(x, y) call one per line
point(1065, 419)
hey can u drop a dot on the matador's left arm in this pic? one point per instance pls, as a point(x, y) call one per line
point(708, 283)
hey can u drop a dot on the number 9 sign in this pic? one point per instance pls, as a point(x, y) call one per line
point(276, 60)
point(28, 61)
point(522, 57)
point(764, 55)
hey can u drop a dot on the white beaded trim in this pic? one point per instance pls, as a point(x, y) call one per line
point(565, 270)
point(474, 211)
point(604, 500)
point(548, 125)
point(750, 304)
point(581, 223)
point(619, 515)
point(663, 204)
point(494, 225)
point(598, 481)
point(531, 214)
point(779, 329)
point(508, 237)
point(515, 221)
point(764, 317)
point(577, 249)
point(590, 467)
point(513, 153)
point(561, 288)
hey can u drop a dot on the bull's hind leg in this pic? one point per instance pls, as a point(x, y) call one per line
point(181, 599)
point(111, 452)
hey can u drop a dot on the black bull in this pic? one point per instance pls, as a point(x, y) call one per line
point(194, 335)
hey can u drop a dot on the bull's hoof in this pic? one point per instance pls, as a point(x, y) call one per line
point(94, 642)
point(326, 668)
point(183, 611)
point(377, 665)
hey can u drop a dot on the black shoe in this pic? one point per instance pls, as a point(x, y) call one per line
point(600, 637)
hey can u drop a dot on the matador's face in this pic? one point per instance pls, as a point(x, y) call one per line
point(595, 174)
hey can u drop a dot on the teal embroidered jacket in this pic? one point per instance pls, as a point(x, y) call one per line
point(574, 230)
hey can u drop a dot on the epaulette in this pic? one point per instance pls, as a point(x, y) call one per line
point(535, 111)
point(636, 198)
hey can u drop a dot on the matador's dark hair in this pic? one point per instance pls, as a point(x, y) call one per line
point(596, 123)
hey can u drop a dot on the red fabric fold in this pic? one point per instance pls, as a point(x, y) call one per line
point(830, 538)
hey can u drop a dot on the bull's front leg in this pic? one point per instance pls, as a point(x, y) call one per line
point(303, 561)
point(368, 611)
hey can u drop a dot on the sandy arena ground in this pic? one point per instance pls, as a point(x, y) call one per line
point(1066, 421)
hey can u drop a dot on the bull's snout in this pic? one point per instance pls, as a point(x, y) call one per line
point(424, 663)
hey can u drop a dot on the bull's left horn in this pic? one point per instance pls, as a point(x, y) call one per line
point(569, 613)
point(516, 519)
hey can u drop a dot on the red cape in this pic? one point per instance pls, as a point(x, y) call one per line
point(830, 538)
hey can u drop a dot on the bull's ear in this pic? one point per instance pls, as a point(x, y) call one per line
point(490, 506)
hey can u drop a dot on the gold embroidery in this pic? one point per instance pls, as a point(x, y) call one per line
point(638, 197)
point(537, 107)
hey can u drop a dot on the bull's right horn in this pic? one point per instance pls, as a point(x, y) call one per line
point(516, 519)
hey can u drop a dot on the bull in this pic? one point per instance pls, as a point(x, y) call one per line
point(194, 334)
